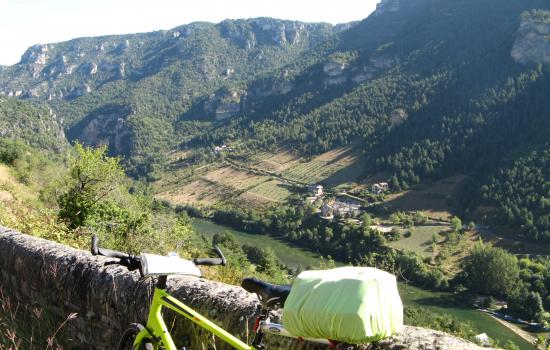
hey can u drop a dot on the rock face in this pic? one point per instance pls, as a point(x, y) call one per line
point(334, 68)
point(224, 104)
point(264, 31)
point(386, 6)
point(532, 43)
point(98, 61)
point(398, 117)
point(105, 126)
point(35, 271)
point(274, 87)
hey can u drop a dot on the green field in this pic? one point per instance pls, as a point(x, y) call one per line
point(272, 189)
point(420, 241)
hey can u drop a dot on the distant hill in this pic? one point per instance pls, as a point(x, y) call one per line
point(423, 88)
point(132, 91)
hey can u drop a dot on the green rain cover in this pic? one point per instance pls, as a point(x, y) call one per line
point(350, 304)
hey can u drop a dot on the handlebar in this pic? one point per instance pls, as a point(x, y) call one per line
point(212, 261)
point(134, 262)
point(106, 252)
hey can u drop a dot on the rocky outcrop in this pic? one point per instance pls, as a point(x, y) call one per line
point(335, 72)
point(36, 54)
point(533, 38)
point(272, 87)
point(224, 104)
point(376, 65)
point(398, 116)
point(105, 126)
point(386, 6)
point(63, 280)
point(334, 68)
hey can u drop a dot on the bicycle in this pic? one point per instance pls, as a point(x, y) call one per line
point(155, 335)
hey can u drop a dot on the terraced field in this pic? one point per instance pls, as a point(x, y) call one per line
point(431, 200)
point(222, 184)
point(334, 167)
point(261, 180)
point(273, 189)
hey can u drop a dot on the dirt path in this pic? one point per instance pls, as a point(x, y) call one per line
point(528, 337)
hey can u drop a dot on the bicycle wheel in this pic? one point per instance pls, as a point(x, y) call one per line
point(128, 337)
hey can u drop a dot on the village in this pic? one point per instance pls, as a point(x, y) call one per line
point(341, 205)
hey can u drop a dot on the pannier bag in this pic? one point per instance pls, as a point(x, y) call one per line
point(355, 305)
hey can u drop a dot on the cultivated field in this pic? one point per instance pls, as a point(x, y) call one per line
point(431, 200)
point(230, 177)
point(209, 186)
point(196, 192)
point(274, 162)
point(261, 180)
point(332, 168)
point(273, 189)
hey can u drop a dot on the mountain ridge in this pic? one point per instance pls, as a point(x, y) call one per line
point(420, 87)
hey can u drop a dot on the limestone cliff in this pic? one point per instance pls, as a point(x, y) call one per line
point(61, 279)
point(533, 38)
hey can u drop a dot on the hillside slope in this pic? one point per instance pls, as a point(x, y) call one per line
point(423, 89)
point(36, 126)
point(427, 89)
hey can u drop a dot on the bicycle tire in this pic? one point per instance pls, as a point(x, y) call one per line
point(128, 337)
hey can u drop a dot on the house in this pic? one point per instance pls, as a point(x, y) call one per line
point(315, 190)
point(327, 211)
point(379, 187)
point(219, 149)
point(346, 208)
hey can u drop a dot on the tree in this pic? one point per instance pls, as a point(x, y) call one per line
point(491, 271)
point(456, 224)
point(527, 305)
point(92, 178)
point(367, 220)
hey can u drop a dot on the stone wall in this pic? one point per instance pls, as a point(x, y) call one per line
point(63, 280)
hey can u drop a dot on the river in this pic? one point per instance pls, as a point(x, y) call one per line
point(293, 257)
point(439, 302)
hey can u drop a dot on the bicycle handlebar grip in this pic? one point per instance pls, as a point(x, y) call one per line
point(212, 261)
point(208, 261)
point(112, 253)
point(105, 252)
point(218, 252)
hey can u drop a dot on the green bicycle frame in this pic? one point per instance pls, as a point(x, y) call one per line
point(156, 325)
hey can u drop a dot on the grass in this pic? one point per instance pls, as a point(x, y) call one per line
point(26, 327)
point(420, 240)
point(432, 200)
point(272, 189)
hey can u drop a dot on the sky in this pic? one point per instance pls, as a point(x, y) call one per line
point(24, 23)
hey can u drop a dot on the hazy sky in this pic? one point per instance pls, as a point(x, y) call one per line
point(27, 22)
